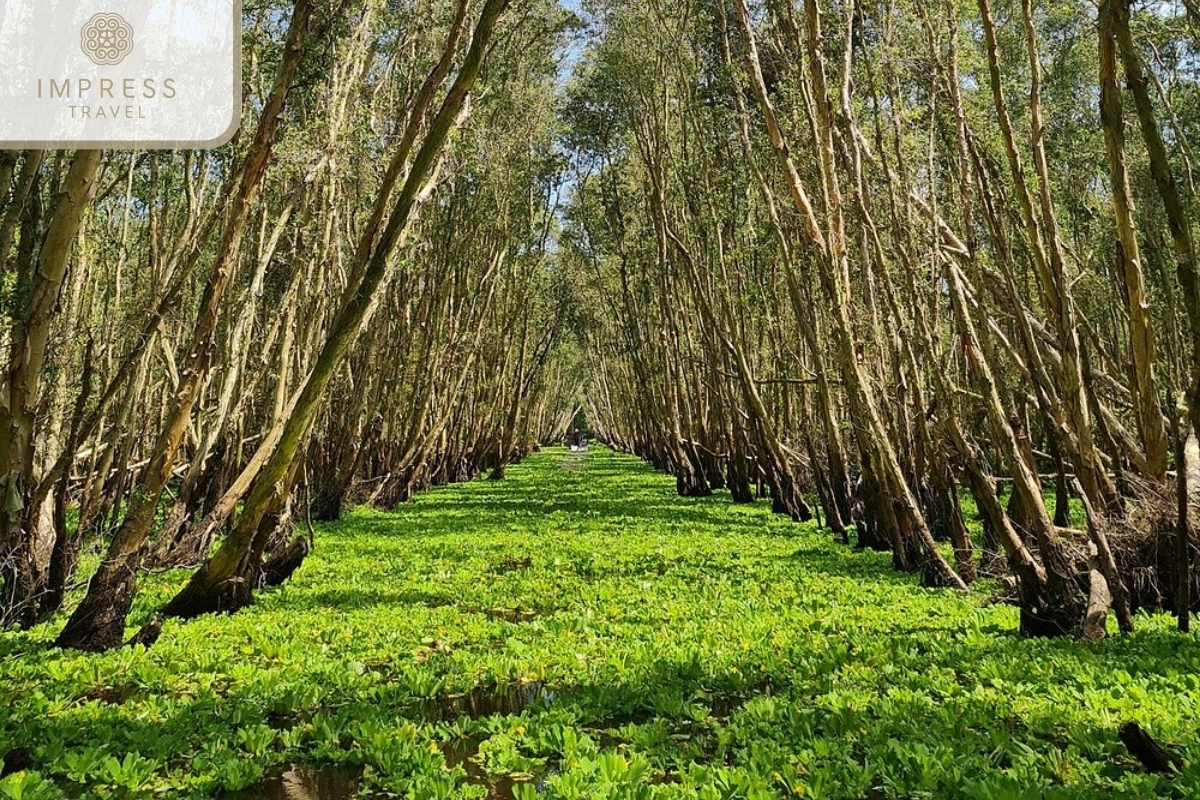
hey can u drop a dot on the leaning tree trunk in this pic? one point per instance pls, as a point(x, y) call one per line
point(1164, 180)
point(212, 587)
point(98, 622)
point(1046, 249)
point(1051, 604)
point(28, 343)
point(833, 269)
point(1143, 386)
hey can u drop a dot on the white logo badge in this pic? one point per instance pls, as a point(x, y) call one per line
point(125, 74)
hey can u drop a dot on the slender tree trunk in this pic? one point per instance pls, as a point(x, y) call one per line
point(901, 504)
point(221, 583)
point(1164, 179)
point(98, 622)
point(1143, 386)
point(1046, 250)
point(21, 391)
point(1185, 445)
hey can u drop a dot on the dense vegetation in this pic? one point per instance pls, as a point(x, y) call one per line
point(923, 271)
point(873, 252)
point(582, 632)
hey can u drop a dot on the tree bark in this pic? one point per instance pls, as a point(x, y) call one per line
point(28, 342)
point(1143, 385)
point(208, 588)
point(1164, 180)
point(98, 622)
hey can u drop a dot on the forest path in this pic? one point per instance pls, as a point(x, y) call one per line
point(590, 634)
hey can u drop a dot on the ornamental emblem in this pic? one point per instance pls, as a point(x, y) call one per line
point(106, 38)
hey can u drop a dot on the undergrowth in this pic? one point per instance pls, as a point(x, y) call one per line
point(583, 632)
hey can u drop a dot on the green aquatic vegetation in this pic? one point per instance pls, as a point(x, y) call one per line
point(587, 634)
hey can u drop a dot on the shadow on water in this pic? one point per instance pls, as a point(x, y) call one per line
point(514, 616)
point(462, 752)
point(304, 782)
point(310, 782)
point(487, 701)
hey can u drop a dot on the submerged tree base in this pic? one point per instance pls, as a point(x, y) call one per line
point(98, 622)
point(201, 596)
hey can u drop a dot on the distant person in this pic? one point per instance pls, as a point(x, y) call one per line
point(575, 439)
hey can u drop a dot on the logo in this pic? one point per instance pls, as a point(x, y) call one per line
point(140, 74)
point(106, 38)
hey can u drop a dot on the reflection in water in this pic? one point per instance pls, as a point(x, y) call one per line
point(304, 782)
point(462, 752)
point(486, 701)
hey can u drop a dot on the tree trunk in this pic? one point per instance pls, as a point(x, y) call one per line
point(28, 342)
point(1143, 386)
point(208, 588)
point(1160, 169)
point(98, 622)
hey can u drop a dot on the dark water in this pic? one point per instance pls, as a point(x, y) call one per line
point(513, 615)
point(314, 782)
point(487, 701)
point(334, 782)
point(304, 782)
point(462, 752)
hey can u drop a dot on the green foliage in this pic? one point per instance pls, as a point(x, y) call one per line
point(680, 649)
